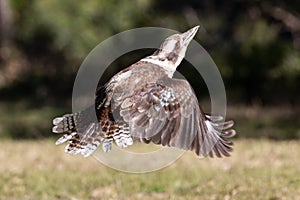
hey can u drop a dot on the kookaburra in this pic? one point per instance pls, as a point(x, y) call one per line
point(152, 107)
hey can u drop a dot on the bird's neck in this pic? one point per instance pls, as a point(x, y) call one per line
point(168, 65)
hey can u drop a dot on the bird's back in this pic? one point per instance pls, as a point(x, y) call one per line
point(134, 78)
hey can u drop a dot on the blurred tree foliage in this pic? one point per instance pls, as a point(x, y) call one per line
point(254, 43)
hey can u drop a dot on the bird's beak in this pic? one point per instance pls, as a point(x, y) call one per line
point(189, 35)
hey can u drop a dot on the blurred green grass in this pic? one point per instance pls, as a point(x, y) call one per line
point(264, 165)
point(258, 169)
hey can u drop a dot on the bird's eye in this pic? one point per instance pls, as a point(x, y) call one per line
point(172, 56)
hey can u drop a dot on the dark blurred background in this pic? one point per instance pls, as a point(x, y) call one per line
point(255, 45)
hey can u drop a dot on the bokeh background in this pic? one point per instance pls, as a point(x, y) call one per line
point(254, 43)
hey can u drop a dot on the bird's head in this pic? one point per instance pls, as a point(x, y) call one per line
point(172, 51)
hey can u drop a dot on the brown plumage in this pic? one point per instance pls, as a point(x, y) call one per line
point(151, 106)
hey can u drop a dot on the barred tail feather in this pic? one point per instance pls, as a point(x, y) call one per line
point(65, 138)
point(90, 139)
point(120, 134)
point(107, 145)
point(63, 124)
point(122, 137)
point(86, 139)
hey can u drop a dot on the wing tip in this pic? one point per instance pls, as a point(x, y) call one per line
point(216, 143)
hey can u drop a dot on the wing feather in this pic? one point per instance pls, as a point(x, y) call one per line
point(167, 112)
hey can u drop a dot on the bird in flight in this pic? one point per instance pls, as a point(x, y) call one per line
point(150, 106)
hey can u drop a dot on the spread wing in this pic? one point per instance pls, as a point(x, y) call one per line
point(167, 113)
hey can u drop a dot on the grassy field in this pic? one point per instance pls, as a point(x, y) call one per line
point(258, 169)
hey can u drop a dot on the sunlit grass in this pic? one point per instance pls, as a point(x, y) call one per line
point(258, 169)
